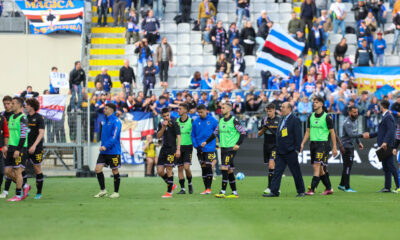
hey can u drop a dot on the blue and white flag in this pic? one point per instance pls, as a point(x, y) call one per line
point(51, 16)
point(373, 78)
point(135, 126)
point(279, 53)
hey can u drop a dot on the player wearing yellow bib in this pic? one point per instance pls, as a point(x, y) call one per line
point(319, 128)
point(185, 160)
point(17, 144)
point(231, 135)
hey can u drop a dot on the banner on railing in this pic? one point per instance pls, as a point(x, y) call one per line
point(135, 126)
point(372, 78)
point(52, 106)
point(51, 16)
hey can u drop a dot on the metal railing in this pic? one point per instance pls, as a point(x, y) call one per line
point(12, 19)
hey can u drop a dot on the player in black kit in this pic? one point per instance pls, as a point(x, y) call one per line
point(268, 128)
point(169, 130)
point(35, 141)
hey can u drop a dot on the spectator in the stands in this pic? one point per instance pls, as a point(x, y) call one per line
point(233, 32)
point(339, 53)
point(265, 75)
point(294, 24)
point(232, 48)
point(207, 31)
point(396, 22)
point(226, 85)
point(253, 103)
point(316, 61)
point(195, 81)
point(53, 90)
point(364, 55)
point(307, 14)
point(222, 63)
point(326, 22)
point(164, 60)
point(300, 37)
point(241, 11)
point(206, 11)
point(29, 93)
point(77, 77)
point(331, 86)
point(372, 115)
point(309, 86)
point(206, 83)
point(248, 36)
point(332, 105)
point(247, 83)
point(203, 99)
point(304, 108)
point(132, 27)
point(316, 38)
point(144, 53)
point(345, 68)
point(262, 34)
point(186, 9)
point(149, 80)
point(338, 12)
point(105, 80)
point(274, 82)
point(319, 90)
point(158, 8)
point(102, 10)
point(127, 78)
point(379, 50)
point(325, 67)
point(360, 11)
point(364, 33)
point(238, 107)
point(238, 67)
point(150, 28)
point(381, 15)
point(119, 11)
point(262, 19)
point(218, 38)
point(371, 23)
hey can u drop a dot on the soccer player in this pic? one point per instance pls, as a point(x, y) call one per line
point(202, 128)
point(185, 160)
point(350, 136)
point(35, 141)
point(17, 154)
point(110, 150)
point(4, 135)
point(7, 103)
point(231, 135)
point(169, 130)
point(319, 127)
point(269, 129)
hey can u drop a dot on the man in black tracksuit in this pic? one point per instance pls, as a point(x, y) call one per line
point(350, 136)
point(76, 77)
point(149, 80)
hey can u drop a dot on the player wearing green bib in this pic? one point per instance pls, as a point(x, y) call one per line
point(231, 135)
point(185, 160)
point(17, 144)
point(319, 129)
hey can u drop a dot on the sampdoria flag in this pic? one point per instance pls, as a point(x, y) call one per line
point(52, 106)
point(279, 53)
point(135, 126)
point(373, 78)
point(51, 16)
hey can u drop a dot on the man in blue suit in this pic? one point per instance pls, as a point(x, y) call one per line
point(288, 142)
point(386, 138)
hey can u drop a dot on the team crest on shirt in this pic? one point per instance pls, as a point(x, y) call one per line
point(316, 122)
point(208, 122)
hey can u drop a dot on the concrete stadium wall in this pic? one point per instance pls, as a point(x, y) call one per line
point(27, 59)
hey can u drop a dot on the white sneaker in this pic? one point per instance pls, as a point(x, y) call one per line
point(102, 193)
point(114, 195)
point(4, 195)
point(267, 191)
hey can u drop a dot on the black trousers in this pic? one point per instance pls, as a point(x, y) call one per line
point(164, 66)
point(103, 10)
point(248, 49)
point(216, 49)
point(308, 22)
point(290, 160)
point(389, 168)
point(186, 10)
point(348, 158)
point(152, 38)
point(148, 84)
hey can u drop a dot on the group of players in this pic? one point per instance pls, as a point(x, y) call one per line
point(21, 139)
point(180, 136)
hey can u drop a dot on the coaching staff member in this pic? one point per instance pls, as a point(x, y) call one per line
point(385, 138)
point(288, 141)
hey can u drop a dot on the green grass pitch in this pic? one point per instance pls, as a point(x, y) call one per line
point(68, 211)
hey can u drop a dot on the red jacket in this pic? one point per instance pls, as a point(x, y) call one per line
point(324, 68)
point(4, 133)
